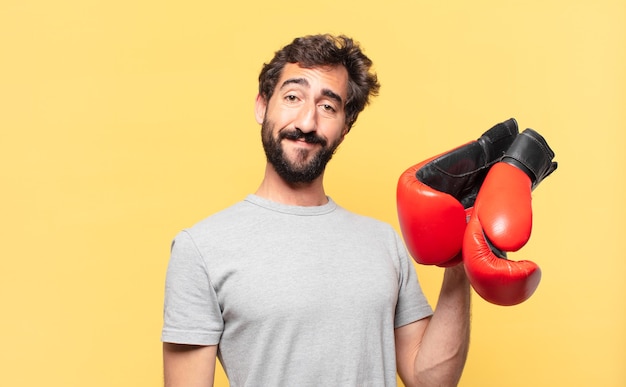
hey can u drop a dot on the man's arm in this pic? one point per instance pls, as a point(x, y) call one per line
point(433, 351)
point(189, 365)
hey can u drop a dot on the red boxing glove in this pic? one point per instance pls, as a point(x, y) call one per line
point(502, 221)
point(434, 195)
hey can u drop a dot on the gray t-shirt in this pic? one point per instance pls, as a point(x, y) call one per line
point(293, 296)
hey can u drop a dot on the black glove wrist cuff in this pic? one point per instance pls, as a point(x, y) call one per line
point(531, 153)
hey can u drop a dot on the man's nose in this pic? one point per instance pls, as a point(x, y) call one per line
point(306, 120)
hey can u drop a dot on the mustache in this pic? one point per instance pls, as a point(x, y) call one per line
point(311, 137)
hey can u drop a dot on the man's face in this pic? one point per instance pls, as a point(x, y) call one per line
point(304, 121)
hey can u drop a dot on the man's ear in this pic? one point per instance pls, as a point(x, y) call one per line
point(346, 130)
point(260, 106)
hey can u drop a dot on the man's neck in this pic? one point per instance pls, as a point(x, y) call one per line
point(274, 188)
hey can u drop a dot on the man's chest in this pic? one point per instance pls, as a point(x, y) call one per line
point(301, 281)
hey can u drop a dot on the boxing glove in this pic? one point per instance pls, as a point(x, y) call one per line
point(433, 197)
point(501, 222)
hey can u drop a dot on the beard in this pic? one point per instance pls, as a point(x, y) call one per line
point(306, 167)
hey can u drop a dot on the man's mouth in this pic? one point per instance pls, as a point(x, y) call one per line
point(298, 135)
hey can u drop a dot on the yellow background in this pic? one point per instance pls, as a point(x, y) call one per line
point(122, 122)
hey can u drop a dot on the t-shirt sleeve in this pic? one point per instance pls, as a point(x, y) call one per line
point(412, 304)
point(191, 313)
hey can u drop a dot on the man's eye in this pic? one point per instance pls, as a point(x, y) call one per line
point(328, 108)
point(291, 98)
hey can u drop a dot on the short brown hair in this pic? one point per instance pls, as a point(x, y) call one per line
point(326, 50)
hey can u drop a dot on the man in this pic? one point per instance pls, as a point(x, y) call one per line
point(286, 287)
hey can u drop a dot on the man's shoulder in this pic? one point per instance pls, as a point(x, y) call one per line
point(221, 218)
point(365, 222)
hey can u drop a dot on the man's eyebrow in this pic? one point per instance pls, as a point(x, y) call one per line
point(297, 81)
point(332, 95)
point(302, 81)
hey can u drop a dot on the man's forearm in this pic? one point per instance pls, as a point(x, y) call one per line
point(443, 351)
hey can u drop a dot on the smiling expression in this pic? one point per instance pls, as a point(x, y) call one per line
point(304, 121)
